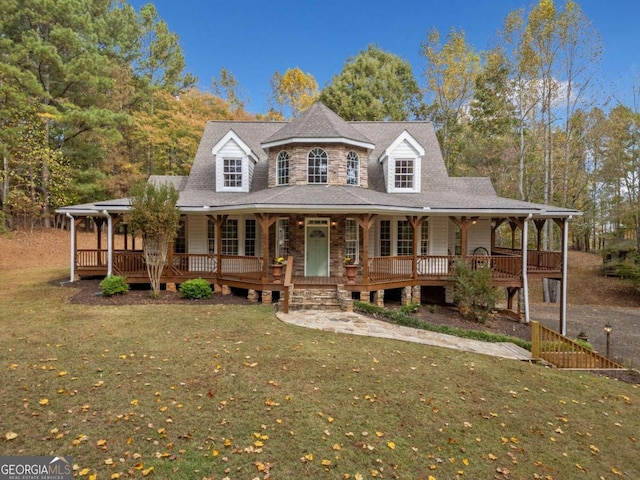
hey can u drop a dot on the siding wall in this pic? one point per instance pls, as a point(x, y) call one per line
point(233, 150)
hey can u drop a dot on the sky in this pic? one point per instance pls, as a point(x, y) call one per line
point(255, 38)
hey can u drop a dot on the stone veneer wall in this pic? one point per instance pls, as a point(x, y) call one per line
point(337, 163)
point(297, 243)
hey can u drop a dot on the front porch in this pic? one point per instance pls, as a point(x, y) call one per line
point(382, 272)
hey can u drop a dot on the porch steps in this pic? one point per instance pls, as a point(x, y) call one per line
point(318, 299)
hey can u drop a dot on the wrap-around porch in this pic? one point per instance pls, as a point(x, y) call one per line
point(510, 266)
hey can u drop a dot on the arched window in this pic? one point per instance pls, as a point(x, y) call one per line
point(282, 168)
point(317, 166)
point(353, 168)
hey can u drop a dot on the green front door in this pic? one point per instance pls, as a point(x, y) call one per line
point(317, 264)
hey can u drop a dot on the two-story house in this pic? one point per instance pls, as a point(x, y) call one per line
point(317, 190)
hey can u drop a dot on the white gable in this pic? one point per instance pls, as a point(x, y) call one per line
point(232, 148)
point(404, 143)
point(409, 152)
point(232, 140)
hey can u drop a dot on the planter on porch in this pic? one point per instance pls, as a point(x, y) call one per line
point(350, 273)
point(276, 270)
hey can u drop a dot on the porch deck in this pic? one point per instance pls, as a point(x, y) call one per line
point(383, 272)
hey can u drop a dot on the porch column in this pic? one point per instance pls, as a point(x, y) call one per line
point(539, 223)
point(513, 224)
point(72, 226)
point(265, 220)
point(219, 221)
point(365, 222)
point(495, 223)
point(416, 223)
point(525, 280)
point(109, 243)
point(564, 228)
point(99, 222)
point(463, 225)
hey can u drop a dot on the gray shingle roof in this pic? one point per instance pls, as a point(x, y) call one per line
point(317, 122)
point(440, 194)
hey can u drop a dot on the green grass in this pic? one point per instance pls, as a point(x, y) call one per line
point(226, 391)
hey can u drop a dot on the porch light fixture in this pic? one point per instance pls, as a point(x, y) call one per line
point(300, 223)
point(334, 224)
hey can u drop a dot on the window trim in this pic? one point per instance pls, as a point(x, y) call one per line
point(324, 156)
point(399, 177)
point(356, 168)
point(279, 168)
point(241, 163)
point(355, 241)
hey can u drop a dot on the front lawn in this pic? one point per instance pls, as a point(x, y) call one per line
point(206, 391)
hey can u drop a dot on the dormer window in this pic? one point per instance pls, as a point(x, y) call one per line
point(232, 172)
point(282, 168)
point(404, 173)
point(353, 168)
point(402, 164)
point(317, 166)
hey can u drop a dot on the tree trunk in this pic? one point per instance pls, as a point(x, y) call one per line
point(155, 256)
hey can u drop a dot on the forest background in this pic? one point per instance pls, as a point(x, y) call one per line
point(95, 96)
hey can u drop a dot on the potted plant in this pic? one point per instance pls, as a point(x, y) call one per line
point(277, 267)
point(350, 269)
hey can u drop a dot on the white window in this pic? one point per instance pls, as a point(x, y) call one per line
point(282, 241)
point(404, 173)
point(180, 241)
point(211, 235)
point(282, 168)
point(250, 237)
point(351, 239)
point(405, 238)
point(424, 238)
point(230, 237)
point(385, 238)
point(317, 166)
point(232, 172)
point(353, 168)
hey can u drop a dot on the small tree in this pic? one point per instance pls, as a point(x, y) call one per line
point(154, 215)
point(473, 292)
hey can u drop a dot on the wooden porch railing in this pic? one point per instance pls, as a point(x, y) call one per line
point(91, 258)
point(563, 352)
point(388, 269)
point(237, 266)
point(536, 260)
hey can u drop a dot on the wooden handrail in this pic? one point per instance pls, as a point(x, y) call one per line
point(288, 275)
point(562, 352)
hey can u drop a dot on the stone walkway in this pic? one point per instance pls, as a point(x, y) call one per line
point(355, 324)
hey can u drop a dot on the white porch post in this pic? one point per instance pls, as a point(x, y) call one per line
point(525, 280)
point(72, 221)
point(563, 293)
point(109, 243)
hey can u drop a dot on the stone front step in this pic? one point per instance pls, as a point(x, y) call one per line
point(315, 299)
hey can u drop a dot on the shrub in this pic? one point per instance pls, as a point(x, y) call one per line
point(114, 285)
point(195, 289)
point(410, 308)
point(473, 292)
